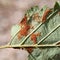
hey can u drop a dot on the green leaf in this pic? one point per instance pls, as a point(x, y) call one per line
point(50, 33)
point(15, 29)
point(56, 6)
point(15, 39)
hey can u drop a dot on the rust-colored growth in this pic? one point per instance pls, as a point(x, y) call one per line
point(37, 17)
point(29, 49)
point(38, 34)
point(45, 15)
point(34, 37)
point(24, 28)
point(59, 12)
point(19, 35)
point(24, 21)
point(32, 27)
point(23, 31)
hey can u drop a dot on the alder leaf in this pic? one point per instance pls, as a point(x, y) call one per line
point(49, 33)
point(14, 30)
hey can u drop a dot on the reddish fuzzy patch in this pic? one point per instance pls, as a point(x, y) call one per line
point(34, 37)
point(24, 21)
point(29, 50)
point(23, 31)
point(59, 12)
point(32, 27)
point(36, 17)
point(24, 28)
point(19, 35)
point(45, 15)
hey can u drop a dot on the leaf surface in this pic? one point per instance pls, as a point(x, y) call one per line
point(49, 33)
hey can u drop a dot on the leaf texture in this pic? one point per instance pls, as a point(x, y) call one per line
point(47, 32)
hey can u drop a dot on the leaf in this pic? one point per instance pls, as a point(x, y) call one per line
point(15, 29)
point(49, 33)
point(56, 6)
point(16, 40)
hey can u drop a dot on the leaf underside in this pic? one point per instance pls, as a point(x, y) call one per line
point(50, 34)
